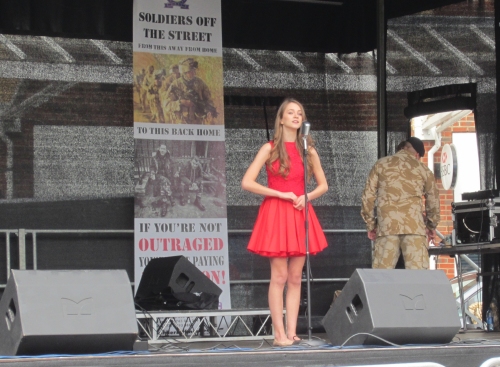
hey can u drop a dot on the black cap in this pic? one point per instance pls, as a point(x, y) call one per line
point(417, 144)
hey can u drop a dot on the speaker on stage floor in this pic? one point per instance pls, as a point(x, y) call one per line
point(400, 306)
point(72, 311)
point(174, 283)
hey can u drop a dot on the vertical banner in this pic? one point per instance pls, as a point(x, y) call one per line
point(180, 183)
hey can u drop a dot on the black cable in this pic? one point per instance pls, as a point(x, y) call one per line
point(368, 334)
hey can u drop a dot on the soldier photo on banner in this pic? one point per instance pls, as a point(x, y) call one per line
point(178, 89)
point(179, 179)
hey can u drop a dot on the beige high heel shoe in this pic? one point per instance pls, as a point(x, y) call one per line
point(287, 343)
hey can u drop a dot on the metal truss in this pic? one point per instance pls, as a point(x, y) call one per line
point(424, 40)
point(205, 325)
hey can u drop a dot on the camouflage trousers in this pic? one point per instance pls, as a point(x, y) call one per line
point(387, 249)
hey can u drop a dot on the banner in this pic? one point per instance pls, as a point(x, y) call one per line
point(180, 183)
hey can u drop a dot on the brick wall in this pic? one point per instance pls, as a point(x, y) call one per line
point(445, 226)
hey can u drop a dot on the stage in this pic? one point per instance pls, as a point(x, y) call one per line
point(468, 349)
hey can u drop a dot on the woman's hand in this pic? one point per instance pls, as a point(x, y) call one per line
point(289, 196)
point(300, 202)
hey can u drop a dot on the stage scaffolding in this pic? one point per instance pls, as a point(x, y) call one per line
point(21, 241)
point(204, 325)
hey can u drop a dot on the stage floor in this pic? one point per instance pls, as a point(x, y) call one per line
point(468, 349)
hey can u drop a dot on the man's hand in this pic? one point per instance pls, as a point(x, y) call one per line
point(431, 234)
point(372, 235)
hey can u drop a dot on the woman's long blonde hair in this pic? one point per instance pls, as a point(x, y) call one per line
point(278, 152)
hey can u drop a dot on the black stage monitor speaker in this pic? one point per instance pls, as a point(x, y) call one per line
point(174, 283)
point(73, 311)
point(400, 306)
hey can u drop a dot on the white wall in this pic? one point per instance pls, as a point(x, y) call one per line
point(468, 164)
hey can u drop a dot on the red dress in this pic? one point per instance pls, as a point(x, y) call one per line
point(279, 230)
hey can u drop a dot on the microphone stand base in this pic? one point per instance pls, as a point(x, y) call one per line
point(313, 342)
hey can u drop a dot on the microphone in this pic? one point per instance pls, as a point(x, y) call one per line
point(304, 129)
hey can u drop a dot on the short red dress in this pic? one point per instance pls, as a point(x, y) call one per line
point(279, 230)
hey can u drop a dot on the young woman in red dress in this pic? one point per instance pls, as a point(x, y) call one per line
point(279, 231)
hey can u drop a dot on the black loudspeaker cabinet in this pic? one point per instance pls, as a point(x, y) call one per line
point(175, 283)
point(400, 306)
point(61, 312)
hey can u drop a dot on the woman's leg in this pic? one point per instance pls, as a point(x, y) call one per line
point(295, 267)
point(279, 275)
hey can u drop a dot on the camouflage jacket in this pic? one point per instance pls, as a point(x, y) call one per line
point(148, 81)
point(395, 186)
point(194, 90)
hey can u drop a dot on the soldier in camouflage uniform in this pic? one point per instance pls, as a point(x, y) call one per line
point(148, 82)
point(166, 82)
point(189, 100)
point(395, 187)
point(139, 78)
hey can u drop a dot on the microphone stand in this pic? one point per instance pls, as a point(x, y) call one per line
point(310, 341)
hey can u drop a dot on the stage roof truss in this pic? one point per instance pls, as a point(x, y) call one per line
point(414, 53)
point(452, 49)
point(95, 61)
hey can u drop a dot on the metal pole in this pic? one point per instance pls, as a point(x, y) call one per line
point(381, 81)
point(309, 341)
point(497, 54)
point(7, 252)
point(22, 248)
point(461, 292)
point(306, 223)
